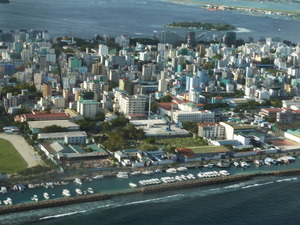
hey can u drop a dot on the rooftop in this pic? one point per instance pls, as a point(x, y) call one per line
point(42, 124)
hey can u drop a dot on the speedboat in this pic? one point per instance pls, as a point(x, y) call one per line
point(244, 164)
point(171, 170)
point(148, 172)
point(224, 173)
point(236, 164)
point(78, 191)
point(133, 185)
point(46, 195)
point(97, 177)
point(66, 193)
point(210, 165)
point(3, 190)
point(78, 181)
point(8, 201)
point(136, 173)
point(34, 198)
point(122, 175)
point(182, 169)
point(90, 190)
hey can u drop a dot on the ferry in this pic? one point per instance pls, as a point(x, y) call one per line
point(46, 195)
point(133, 185)
point(66, 193)
point(78, 191)
point(122, 175)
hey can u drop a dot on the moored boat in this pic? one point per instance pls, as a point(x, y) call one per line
point(78, 181)
point(122, 175)
point(34, 198)
point(3, 190)
point(66, 193)
point(90, 190)
point(133, 185)
point(97, 177)
point(46, 195)
point(171, 170)
point(78, 191)
point(182, 169)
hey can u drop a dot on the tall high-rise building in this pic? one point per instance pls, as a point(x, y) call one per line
point(47, 90)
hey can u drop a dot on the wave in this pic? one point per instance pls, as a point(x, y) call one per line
point(257, 185)
point(287, 179)
point(62, 215)
point(154, 199)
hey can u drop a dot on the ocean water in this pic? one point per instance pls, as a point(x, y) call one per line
point(264, 200)
point(259, 201)
point(136, 17)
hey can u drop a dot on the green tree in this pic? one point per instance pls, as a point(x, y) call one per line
point(190, 126)
point(53, 129)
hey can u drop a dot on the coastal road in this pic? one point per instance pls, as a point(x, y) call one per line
point(25, 150)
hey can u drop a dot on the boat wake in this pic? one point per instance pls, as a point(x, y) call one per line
point(242, 30)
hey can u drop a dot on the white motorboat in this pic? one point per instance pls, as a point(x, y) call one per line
point(78, 191)
point(3, 190)
point(224, 173)
point(97, 177)
point(78, 181)
point(244, 164)
point(171, 170)
point(34, 198)
point(8, 201)
point(133, 185)
point(66, 193)
point(46, 195)
point(236, 164)
point(135, 173)
point(90, 190)
point(210, 165)
point(182, 169)
point(122, 175)
point(148, 172)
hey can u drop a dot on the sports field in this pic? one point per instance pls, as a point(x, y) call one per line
point(10, 160)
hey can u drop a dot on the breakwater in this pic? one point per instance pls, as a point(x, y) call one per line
point(143, 190)
point(53, 203)
point(217, 180)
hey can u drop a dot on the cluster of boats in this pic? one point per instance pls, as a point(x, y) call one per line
point(150, 172)
point(242, 164)
point(78, 191)
point(48, 184)
point(213, 174)
point(154, 181)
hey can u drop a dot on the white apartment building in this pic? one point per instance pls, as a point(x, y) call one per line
point(68, 137)
point(214, 130)
point(132, 104)
point(88, 108)
point(103, 50)
point(193, 116)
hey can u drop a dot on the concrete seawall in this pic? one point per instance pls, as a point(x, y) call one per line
point(143, 190)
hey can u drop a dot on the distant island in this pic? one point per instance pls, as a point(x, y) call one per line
point(4, 1)
point(202, 26)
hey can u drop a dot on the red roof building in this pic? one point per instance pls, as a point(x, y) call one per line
point(41, 116)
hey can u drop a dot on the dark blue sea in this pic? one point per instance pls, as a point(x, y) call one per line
point(261, 201)
point(139, 17)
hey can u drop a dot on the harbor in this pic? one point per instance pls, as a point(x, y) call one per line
point(89, 189)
